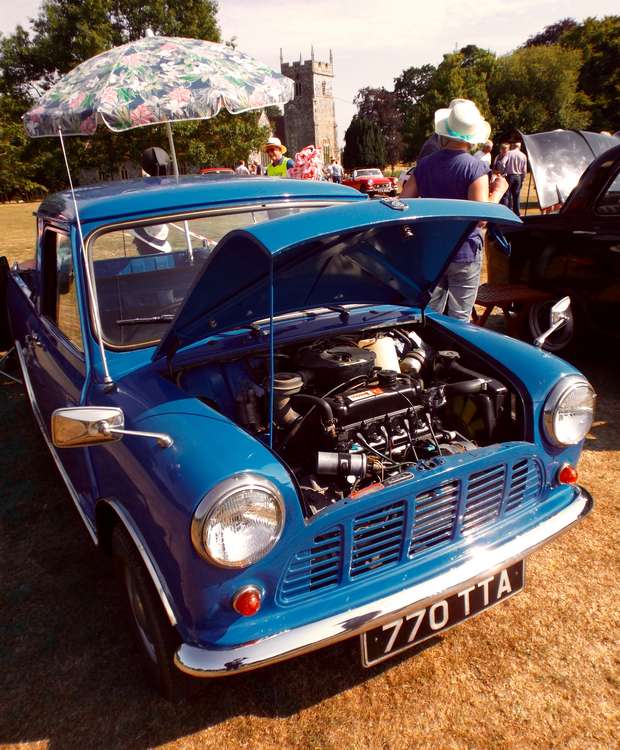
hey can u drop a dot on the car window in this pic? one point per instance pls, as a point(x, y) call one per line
point(143, 273)
point(368, 173)
point(609, 204)
point(59, 296)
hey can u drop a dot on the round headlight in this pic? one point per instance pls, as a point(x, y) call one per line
point(569, 411)
point(239, 521)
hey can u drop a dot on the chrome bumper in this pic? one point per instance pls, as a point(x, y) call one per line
point(202, 662)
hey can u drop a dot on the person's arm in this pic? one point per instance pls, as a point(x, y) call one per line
point(487, 190)
point(410, 188)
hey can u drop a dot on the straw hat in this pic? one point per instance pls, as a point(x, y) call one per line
point(274, 142)
point(462, 121)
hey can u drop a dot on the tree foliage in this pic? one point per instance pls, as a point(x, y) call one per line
point(535, 89)
point(379, 105)
point(364, 145)
point(598, 41)
point(67, 32)
point(551, 34)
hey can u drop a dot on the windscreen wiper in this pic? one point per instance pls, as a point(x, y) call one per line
point(166, 318)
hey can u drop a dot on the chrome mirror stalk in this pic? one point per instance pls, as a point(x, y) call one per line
point(105, 428)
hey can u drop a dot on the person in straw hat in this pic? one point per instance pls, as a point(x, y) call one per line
point(275, 150)
point(452, 172)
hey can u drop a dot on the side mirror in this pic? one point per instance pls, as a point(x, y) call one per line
point(81, 426)
point(560, 313)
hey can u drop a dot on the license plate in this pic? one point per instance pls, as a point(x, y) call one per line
point(425, 622)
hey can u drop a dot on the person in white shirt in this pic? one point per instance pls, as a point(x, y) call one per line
point(242, 170)
point(484, 153)
point(335, 171)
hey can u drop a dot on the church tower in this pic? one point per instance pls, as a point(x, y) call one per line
point(311, 116)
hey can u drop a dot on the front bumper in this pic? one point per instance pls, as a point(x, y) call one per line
point(203, 662)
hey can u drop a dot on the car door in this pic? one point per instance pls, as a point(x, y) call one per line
point(54, 352)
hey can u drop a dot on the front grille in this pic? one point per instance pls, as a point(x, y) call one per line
point(397, 533)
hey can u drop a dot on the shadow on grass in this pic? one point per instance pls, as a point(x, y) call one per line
point(70, 674)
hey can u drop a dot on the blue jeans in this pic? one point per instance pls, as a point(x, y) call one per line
point(456, 291)
point(514, 188)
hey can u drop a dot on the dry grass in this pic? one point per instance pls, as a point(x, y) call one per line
point(540, 671)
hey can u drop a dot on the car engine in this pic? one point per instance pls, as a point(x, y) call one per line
point(354, 413)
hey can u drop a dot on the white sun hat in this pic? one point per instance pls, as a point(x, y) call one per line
point(152, 239)
point(462, 121)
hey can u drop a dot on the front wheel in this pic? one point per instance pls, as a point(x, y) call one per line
point(156, 639)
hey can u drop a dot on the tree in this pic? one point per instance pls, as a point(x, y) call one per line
point(598, 41)
point(379, 105)
point(535, 88)
point(551, 34)
point(463, 74)
point(364, 145)
point(411, 86)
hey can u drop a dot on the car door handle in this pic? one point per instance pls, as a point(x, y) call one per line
point(32, 338)
point(583, 231)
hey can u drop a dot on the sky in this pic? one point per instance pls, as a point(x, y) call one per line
point(372, 42)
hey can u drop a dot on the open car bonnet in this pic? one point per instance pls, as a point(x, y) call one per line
point(559, 158)
point(376, 252)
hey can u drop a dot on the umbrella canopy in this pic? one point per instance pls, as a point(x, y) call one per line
point(156, 80)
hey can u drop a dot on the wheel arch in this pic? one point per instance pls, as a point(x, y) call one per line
point(109, 513)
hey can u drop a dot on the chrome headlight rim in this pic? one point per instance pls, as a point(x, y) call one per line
point(218, 495)
point(557, 394)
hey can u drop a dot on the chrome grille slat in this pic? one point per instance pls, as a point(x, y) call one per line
point(377, 538)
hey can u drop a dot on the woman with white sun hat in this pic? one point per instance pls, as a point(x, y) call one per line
point(452, 172)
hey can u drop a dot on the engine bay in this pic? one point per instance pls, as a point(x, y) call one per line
point(354, 413)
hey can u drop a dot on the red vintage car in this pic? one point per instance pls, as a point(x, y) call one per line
point(371, 181)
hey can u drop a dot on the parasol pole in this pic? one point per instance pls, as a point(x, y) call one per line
point(175, 166)
point(107, 380)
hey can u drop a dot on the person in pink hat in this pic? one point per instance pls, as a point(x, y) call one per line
point(452, 172)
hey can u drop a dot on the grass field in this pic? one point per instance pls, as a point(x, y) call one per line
point(540, 671)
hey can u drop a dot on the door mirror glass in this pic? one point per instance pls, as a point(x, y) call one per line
point(561, 310)
point(80, 426)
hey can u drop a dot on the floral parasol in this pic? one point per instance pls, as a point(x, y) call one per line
point(156, 80)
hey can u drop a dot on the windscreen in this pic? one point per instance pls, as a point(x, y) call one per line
point(143, 273)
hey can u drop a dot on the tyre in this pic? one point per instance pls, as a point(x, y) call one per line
point(156, 639)
point(562, 342)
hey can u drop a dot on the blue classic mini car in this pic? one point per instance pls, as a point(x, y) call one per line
point(258, 419)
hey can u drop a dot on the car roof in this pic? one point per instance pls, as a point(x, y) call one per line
point(162, 195)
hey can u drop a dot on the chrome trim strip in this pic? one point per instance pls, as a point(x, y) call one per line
point(39, 419)
point(150, 564)
point(202, 662)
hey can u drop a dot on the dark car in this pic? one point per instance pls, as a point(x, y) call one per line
point(575, 251)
